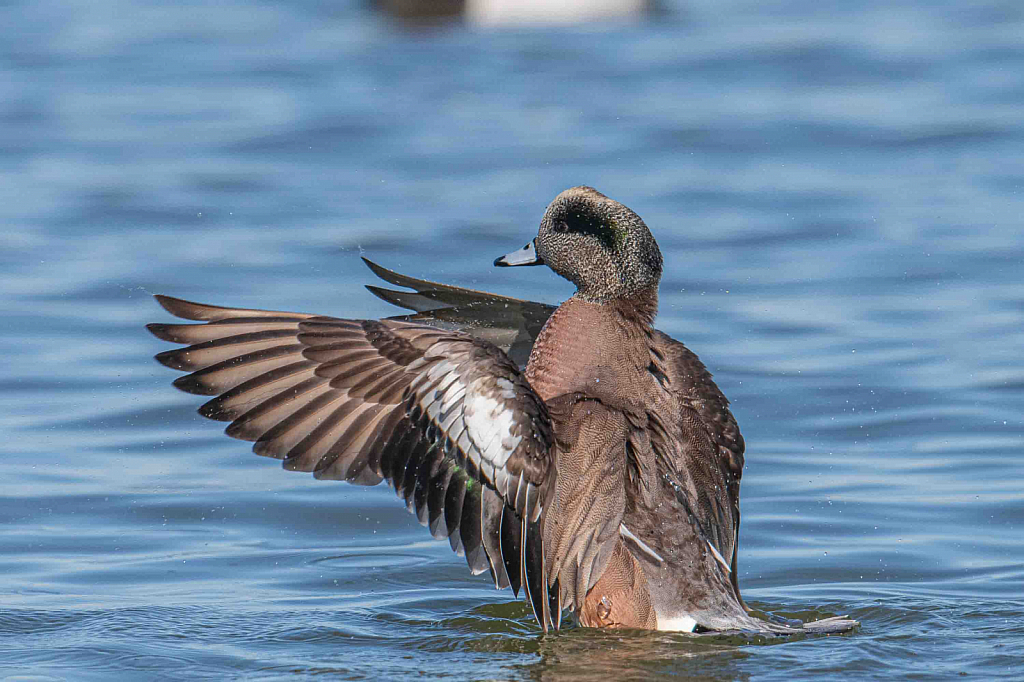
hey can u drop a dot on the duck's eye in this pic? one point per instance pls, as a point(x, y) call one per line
point(560, 226)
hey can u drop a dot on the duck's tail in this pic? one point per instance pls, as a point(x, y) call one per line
point(782, 627)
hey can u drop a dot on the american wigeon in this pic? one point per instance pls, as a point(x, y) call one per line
point(603, 477)
point(499, 12)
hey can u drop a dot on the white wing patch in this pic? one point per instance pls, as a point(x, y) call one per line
point(477, 419)
point(489, 426)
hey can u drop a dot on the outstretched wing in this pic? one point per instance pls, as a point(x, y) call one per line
point(512, 324)
point(446, 418)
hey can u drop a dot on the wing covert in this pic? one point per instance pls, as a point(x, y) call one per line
point(706, 471)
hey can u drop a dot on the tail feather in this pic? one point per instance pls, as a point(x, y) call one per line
point(749, 625)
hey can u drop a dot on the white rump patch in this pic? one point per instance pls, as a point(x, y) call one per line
point(677, 624)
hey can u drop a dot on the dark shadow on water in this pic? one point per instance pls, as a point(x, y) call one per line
point(577, 653)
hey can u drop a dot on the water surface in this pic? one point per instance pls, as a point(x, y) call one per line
point(837, 190)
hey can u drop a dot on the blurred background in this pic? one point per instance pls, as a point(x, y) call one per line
point(836, 187)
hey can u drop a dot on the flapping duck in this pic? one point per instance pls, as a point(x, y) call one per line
point(576, 453)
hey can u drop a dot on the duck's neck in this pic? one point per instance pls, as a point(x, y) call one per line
point(596, 349)
point(640, 309)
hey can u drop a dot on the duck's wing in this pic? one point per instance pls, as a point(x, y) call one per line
point(708, 459)
point(447, 419)
point(512, 324)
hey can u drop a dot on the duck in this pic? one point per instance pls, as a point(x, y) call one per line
point(491, 13)
point(575, 453)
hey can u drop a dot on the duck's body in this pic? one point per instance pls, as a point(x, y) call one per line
point(604, 478)
point(618, 376)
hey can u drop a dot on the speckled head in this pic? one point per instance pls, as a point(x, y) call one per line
point(596, 243)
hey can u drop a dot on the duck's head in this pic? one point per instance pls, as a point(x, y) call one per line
point(596, 243)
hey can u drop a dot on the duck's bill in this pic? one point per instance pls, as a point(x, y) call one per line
point(524, 256)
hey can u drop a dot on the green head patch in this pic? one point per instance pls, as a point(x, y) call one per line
point(605, 228)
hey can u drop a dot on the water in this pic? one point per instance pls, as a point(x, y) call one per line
point(837, 190)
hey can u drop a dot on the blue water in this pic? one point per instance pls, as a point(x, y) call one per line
point(838, 190)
